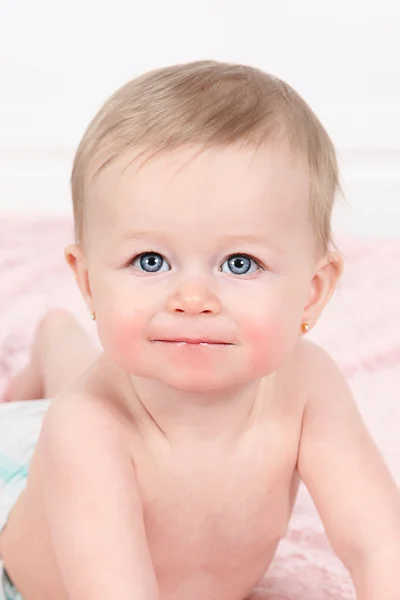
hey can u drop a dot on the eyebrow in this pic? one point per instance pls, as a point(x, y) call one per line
point(259, 239)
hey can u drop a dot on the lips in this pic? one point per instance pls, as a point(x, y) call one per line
point(187, 340)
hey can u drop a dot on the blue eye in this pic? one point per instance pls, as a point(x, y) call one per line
point(150, 262)
point(240, 264)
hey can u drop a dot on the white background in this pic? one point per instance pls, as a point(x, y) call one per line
point(59, 61)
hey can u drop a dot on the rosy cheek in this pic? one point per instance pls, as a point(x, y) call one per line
point(265, 340)
point(122, 337)
point(257, 340)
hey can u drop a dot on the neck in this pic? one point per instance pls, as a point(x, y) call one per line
point(219, 415)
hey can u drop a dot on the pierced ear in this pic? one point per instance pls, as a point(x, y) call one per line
point(76, 260)
point(323, 284)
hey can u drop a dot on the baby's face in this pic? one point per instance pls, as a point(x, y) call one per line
point(200, 264)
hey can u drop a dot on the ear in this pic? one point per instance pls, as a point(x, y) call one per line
point(77, 261)
point(326, 276)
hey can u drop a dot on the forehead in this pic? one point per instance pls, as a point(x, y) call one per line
point(264, 190)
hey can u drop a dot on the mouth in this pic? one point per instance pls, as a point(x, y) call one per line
point(194, 342)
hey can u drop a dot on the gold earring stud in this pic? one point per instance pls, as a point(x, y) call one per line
point(93, 316)
point(305, 327)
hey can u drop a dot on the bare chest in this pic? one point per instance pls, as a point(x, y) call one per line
point(215, 521)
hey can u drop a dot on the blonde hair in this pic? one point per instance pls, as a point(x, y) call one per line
point(212, 104)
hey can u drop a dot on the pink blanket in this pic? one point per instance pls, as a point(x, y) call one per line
point(360, 328)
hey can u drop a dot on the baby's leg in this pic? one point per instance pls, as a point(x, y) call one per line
point(61, 352)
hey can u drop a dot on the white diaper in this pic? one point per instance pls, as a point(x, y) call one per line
point(20, 424)
point(7, 589)
point(2, 597)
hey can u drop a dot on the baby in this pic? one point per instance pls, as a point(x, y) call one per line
point(167, 467)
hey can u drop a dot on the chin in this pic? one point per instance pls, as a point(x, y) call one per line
point(192, 384)
point(200, 383)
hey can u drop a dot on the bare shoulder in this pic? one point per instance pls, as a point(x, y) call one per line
point(328, 397)
point(293, 385)
point(89, 408)
point(316, 366)
point(83, 422)
point(306, 353)
point(320, 377)
point(307, 369)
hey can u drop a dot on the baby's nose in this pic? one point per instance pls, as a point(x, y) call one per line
point(194, 298)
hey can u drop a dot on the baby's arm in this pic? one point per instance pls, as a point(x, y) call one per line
point(93, 505)
point(353, 489)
